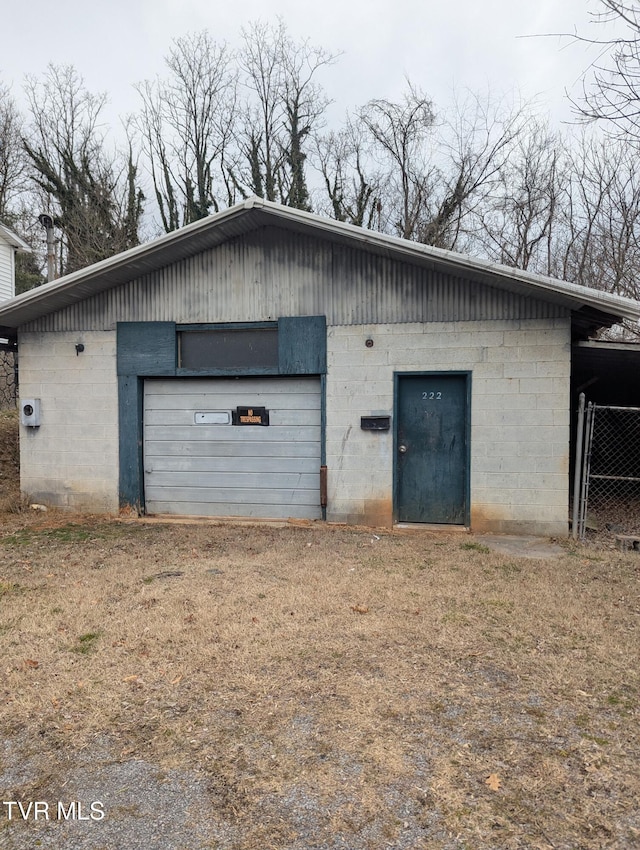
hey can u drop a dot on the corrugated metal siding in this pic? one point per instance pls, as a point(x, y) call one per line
point(271, 273)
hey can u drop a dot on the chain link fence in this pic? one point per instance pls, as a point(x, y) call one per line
point(8, 380)
point(610, 480)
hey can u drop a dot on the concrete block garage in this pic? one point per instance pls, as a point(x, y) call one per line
point(269, 363)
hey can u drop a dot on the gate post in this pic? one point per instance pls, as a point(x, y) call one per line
point(577, 468)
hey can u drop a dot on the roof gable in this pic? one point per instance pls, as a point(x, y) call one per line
point(270, 272)
point(590, 308)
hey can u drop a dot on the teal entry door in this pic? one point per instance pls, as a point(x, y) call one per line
point(432, 463)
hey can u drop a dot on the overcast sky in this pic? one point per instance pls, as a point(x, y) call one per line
point(439, 45)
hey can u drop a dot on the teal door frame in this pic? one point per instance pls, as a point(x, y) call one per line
point(150, 350)
point(397, 377)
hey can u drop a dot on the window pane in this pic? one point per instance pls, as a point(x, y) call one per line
point(222, 349)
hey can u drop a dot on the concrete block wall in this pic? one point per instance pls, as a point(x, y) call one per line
point(519, 417)
point(71, 460)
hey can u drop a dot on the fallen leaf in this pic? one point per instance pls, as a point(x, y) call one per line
point(29, 662)
point(360, 609)
point(493, 781)
point(177, 679)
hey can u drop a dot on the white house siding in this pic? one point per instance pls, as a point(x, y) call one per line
point(519, 417)
point(7, 271)
point(71, 460)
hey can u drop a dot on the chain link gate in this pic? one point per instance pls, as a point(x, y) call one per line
point(607, 480)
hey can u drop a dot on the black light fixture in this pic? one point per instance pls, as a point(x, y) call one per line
point(79, 348)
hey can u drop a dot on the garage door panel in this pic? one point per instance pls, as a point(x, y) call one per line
point(268, 471)
point(267, 481)
point(297, 465)
point(246, 511)
point(185, 418)
point(224, 448)
point(234, 496)
point(228, 400)
point(234, 434)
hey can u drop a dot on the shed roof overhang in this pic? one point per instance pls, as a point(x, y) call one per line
point(607, 372)
point(590, 308)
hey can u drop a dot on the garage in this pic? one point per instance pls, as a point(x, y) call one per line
point(265, 362)
point(240, 447)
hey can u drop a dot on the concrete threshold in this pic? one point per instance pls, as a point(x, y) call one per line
point(430, 526)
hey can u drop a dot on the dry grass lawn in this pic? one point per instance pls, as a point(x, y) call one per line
point(334, 687)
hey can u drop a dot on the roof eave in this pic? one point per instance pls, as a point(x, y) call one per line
point(14, 240)
point(144, 259)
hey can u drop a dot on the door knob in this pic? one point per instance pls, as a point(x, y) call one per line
point(402, 449)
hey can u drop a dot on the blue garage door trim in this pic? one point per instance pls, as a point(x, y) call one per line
point(150, 349)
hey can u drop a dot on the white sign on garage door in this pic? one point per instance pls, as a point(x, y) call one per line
point(197, 463)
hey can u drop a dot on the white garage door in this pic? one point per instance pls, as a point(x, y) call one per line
point(196, 462)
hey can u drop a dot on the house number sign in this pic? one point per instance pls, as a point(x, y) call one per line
point(431, 396)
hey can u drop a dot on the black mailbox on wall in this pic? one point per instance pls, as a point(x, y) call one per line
point(375, 423)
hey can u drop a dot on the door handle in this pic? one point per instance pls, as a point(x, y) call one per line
point(402, 449)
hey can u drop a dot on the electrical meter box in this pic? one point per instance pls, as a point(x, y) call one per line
point(30, 412)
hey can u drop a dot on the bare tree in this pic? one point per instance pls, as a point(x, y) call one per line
point(606, 218)
point(13, 165)
point(187, 124)
point(399, 136)
point(474, 142)
point(521, 222)
point(611, 86)
point(400, 168)
point(17, 201)
point(283, 109)
point(568, 207)
point(93, 197)
point(351, 182)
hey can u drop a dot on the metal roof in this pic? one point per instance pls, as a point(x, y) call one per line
point(591, 308)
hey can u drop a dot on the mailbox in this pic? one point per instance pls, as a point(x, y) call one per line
point(375, 423)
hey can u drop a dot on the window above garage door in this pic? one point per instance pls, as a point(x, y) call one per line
point(228, 347)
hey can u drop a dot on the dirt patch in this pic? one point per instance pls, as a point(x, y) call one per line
point(240, 687)
point(9, 461)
